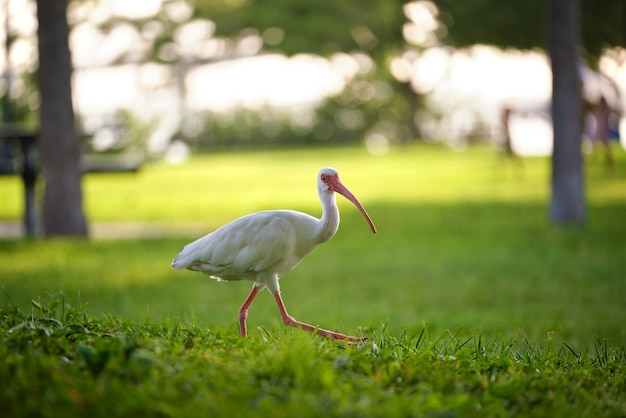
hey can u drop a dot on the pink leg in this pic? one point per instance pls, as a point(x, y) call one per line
point(243, 311)
point(291, 321)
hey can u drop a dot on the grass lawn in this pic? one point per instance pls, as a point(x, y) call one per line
point(474, 304)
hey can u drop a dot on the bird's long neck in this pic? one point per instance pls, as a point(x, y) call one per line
point(330, 217)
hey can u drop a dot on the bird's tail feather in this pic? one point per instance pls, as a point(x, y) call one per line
point(182, 260)
point(177, 264)
point(188, 255)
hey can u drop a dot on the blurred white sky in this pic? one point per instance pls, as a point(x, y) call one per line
point(463, 86)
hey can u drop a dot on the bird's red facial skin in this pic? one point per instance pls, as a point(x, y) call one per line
point(330, 180)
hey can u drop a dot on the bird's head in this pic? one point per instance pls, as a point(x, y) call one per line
point(328, 182)
point(327, 179)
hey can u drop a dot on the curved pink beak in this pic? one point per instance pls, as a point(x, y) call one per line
point(338, 187)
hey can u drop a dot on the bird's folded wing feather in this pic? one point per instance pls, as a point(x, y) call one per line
point(239, 249)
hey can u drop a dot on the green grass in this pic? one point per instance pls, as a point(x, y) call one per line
point(77, 366)
point(474, 304)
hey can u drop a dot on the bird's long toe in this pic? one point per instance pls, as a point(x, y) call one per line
point(343, 337)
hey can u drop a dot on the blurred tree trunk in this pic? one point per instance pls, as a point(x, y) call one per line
point(568, 201)
point(59, 145)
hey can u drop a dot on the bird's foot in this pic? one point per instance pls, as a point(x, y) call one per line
point(349, 339)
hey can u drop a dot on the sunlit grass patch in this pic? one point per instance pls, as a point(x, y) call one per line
point(464, 241)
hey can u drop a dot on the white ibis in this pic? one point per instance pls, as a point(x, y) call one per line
point(263, 246)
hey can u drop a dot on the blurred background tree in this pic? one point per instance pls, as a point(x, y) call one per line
point(373, 30)
point(523, 24)
point(570, 31)
point(59, 146)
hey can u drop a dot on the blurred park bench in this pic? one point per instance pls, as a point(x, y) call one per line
point(19, 156)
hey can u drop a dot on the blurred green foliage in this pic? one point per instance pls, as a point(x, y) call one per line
point(384, 106)
point(522, 24)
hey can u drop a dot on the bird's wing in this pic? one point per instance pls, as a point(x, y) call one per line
point(240, 249)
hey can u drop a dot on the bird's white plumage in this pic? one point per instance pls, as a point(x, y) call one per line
point(271, 242)
point(263, 246)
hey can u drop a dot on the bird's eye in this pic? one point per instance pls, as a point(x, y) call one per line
point(324, 178)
